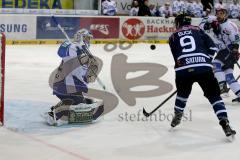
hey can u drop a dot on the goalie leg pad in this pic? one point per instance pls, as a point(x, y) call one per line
point(85, 113)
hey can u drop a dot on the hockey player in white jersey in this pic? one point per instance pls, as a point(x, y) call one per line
point(226, 38)
point(234, 10)
point(178, 7)
point(76, 70)
point(109, 8)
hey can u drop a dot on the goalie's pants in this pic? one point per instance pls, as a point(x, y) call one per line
point(75, 99)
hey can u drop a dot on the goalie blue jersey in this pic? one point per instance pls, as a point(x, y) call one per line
point(68, 49)
point(192, 49)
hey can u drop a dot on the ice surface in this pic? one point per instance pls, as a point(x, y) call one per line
point(25, 135)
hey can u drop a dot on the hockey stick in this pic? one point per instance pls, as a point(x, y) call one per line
point(147, 114)
point(86, 49)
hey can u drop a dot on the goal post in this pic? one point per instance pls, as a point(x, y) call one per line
point(2, 70)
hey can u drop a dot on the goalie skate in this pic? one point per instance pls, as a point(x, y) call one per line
point(51, 119)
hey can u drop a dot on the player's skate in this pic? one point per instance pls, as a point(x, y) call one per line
point(176, 119)
point(236, 100)
point(223, 90)
point(229, 132)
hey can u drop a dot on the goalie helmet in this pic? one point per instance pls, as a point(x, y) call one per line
point(181, 20)
point(83, 36)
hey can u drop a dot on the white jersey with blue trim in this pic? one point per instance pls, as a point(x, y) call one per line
point(197, 9)
point(134, 11)
point(229, 34)
point(234, 10)
point(189, 8)
point(109, 8)
point(68, 51)
point(179, 7)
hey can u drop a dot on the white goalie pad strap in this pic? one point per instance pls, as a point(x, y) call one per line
point(83, 107)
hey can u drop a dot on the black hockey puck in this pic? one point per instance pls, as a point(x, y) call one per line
point(153, 47)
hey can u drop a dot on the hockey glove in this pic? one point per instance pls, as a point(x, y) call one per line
point(207, 26)
point(92, 71)
point(216, 27)
point(234, 51)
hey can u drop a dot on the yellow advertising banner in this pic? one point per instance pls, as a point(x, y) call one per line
point(37, 4)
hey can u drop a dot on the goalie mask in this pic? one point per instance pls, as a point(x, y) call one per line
point(83, 36)
point(181, 20)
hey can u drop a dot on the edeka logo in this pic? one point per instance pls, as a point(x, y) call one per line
point(133, 28)
point(37, 4)
point(101, 28)
point(13, 28)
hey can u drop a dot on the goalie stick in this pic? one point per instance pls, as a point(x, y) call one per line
point(147, 114)
point(86, 49)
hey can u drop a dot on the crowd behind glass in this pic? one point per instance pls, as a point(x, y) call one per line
point(194, 8)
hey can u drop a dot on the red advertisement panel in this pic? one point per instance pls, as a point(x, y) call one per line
point(133, 28)
point(101, 28)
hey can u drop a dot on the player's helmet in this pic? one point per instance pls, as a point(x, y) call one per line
point(83, 36)
point(182, 19)
point(221, 13)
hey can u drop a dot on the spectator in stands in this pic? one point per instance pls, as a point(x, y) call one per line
point(220, 3)
point(109, 8)
point(178, 7)
point(207, 14)
point(166, 10)
point(152, 9)
point(198, 9)
point(158, 11)
point(234, 10)
point(144, 9)
point(189, 8)
point(135, 8)
point(207, 4)
point(140, 2)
